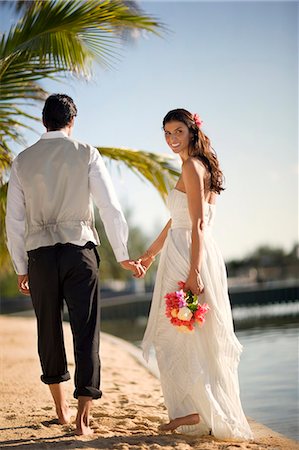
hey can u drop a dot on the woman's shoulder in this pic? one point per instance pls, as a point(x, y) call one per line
point(193, 164)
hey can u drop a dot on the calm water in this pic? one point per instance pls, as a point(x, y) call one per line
point(268, 369)
point(268, 374)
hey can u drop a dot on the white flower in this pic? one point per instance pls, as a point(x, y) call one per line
point(184, 329)
point(185, 313)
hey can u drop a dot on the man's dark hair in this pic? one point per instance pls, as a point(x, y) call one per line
point(58, 111)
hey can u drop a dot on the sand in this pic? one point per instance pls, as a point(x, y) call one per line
point(127, 416)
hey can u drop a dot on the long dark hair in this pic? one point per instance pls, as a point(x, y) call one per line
point(200, 146)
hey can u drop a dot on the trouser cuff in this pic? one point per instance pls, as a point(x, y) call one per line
point(56, 379)
point(88, 391)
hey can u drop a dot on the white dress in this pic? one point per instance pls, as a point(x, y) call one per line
point(198, 371)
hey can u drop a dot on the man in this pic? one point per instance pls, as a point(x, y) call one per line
point(50, 231)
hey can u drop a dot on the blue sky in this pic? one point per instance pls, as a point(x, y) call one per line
point(234, 63)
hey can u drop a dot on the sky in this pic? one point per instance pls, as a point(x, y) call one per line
point(236, 65)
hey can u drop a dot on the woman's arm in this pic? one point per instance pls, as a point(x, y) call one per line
point(149, 256)
point(193, 176)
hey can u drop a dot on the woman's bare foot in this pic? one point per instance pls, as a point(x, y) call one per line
point(191, 419)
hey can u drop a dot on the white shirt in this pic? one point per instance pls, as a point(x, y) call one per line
point(103, 195)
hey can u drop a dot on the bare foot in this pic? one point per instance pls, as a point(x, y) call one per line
point(191, 419)
point(83, 430)
point(65, 414)
point(83, 416)
point(82, 426)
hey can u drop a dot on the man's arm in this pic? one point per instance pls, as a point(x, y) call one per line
point(15, 228)
point(105, 199)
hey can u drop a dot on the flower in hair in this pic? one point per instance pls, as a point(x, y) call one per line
point(197, 120)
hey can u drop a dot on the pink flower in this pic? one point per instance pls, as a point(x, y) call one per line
point(181, 284)
point(197, 120)
point(184, 310)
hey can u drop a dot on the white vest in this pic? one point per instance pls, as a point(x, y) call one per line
point(54, 177)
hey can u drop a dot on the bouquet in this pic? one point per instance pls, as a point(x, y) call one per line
point(184, 310)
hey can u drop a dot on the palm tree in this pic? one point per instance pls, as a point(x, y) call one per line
point(58, 38)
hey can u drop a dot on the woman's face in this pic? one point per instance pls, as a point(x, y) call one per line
point(177, 136)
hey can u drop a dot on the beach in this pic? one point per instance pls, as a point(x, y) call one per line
point(126, 417)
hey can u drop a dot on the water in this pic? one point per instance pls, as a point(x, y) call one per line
point(268, 374)
point(268, 370)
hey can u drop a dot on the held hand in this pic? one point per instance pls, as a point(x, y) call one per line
point(135, 266)
point(23, 284)
point(194, 283)
point(147, 260)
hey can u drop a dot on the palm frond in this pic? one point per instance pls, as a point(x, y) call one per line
point(158, 169)
point(59, 37)
point(5, 263)
point(59, 32)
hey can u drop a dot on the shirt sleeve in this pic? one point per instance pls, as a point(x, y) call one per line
point(105, 199)
point(15, 221)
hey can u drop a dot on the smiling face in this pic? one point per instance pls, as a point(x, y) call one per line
point(177, 136)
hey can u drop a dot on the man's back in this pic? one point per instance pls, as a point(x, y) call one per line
point(54, 177)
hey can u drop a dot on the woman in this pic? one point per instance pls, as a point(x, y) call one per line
point(198, 370)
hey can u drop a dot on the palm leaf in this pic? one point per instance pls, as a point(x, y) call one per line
point(58, 37)
point(5, 262)
point(158, 169)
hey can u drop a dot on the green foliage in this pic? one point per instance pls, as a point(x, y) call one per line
point(5, 263)
point(8, 285)
point(157, 169)
point(57, 37)
point(266, 257)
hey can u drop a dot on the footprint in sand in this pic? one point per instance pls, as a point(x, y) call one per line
point(145, 395)
point(139, 428)
point(153, 418)
point(100, 414)
point(124, 417)
point(50, 423)
point(125, 423)
point(123, 399)
point(11, 417)
point(112, 390)
point(36, 426)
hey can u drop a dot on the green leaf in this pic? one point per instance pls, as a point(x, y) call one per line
point(156, 168)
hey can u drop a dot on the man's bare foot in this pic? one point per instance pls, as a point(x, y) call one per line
point(191, 419)
point(83, 416)
point(83, 426)
point(83, 430)
point(65, 414)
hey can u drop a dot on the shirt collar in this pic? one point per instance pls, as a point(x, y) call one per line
point(54, 135)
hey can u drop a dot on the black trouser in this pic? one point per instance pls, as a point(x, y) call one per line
point(70, 272)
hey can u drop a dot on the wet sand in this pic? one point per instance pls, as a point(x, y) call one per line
point(127, 417)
